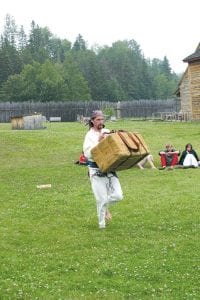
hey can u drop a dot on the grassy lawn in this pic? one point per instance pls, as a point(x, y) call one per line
point(51, 246)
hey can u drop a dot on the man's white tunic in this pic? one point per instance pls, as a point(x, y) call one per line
point(106, 188)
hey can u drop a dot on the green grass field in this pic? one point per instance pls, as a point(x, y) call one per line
point(51, 246)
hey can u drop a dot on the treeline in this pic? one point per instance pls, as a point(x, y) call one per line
point(42, 67)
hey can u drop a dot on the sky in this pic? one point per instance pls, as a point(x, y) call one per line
point(160, 27)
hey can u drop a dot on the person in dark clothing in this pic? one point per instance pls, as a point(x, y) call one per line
point(169, 157)
point(189, 157)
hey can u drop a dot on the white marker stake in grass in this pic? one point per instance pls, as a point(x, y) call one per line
point(44, 186)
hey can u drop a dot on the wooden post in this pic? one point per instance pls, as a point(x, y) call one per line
point(118, 111)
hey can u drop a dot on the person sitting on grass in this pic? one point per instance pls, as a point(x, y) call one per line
point(169, 157)
point(82, 160)
point(189, 157)
point(145, 160)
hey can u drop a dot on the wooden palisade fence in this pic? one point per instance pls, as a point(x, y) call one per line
point(68, 111)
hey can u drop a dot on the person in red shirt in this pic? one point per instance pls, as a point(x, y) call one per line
point(82, 160)
point(169, 157)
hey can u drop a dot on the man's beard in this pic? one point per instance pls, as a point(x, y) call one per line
point(100, 126)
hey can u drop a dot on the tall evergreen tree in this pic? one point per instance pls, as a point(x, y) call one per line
point(5, 65)
point(10, 31)
point(79, 44)
point(22, 39)
point(10, 60)
point(165, 68)
point(39, 42)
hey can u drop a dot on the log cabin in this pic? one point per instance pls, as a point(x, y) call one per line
point(189, 86)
